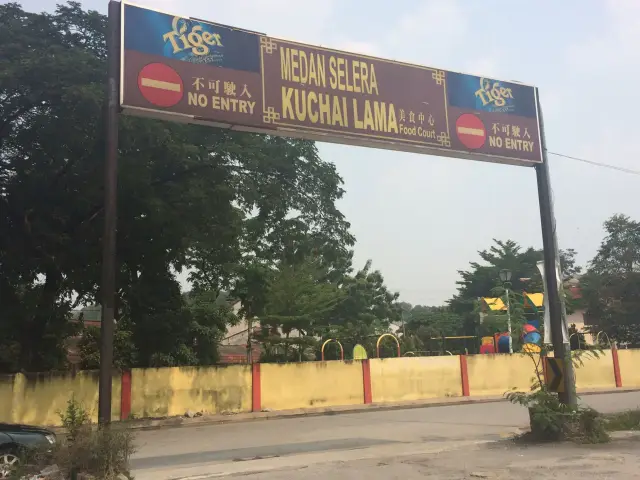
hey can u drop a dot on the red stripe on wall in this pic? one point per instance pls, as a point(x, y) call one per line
point(464, 375)
point(125, 395)
point(256, 389)
point(366, 381)
point(616, 367)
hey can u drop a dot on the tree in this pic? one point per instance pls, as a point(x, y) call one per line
point(299, 299)
point(611, 286)
point(210, 313)
point(366, 311)
point(207, 199)
point(310, 300)
point(434, 322)
point(124, 350)
point(427, 325)
point(483, 279)
point(189, 327)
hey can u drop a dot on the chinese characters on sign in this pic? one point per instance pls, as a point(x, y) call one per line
point(227, 77)
point(222, 96)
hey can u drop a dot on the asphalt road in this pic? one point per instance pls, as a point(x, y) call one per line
point(185, 452)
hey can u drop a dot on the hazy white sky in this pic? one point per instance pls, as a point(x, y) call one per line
point(422, 218)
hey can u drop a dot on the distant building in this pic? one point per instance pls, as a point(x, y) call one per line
point(233, 347)
point(90, 315)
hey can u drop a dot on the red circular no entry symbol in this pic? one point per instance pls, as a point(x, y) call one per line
point(160, 85)
point(471, 131)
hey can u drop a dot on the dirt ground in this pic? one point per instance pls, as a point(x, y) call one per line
point(503, 460)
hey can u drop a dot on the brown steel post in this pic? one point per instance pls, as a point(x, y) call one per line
point(108, 286)
point(550, 245)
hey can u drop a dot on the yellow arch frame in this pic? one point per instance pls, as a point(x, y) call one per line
point(339, 344)
point(598, 338)
point(380, 339)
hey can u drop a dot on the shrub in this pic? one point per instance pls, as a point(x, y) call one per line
point(629, 420)
point(550, 419)
point(103, 453)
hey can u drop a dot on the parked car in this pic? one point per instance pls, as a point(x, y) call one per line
point(16, 439)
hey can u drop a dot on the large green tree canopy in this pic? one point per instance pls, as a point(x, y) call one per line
point(611, 286)
point(217, 202)
point(483, 279)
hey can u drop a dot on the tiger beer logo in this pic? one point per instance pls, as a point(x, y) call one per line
point(186, 36)
point(494, 96)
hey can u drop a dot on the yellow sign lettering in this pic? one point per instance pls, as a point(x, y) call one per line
point(494, 93)
point(518, 144)
point(198, 99)
point(302, 106)
point(352, 76)
point(495, 141)
point(197, 40)
point(227, 104)
point(287, 106)
point(370, 117)
point(301, 67)
point(312, 100)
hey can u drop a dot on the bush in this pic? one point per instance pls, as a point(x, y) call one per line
point(629, 420)
point(103, 453)
point(550, 419)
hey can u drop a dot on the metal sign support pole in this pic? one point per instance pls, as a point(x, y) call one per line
point(551, 256)
point(110, 214)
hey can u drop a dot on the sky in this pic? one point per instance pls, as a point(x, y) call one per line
point(422, 218)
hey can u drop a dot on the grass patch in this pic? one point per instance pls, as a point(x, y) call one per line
point(629, 420)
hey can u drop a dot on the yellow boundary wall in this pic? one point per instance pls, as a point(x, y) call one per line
point(415, 378)
point(499, 373)
point(596, 372)
point(311, 384)
point(38, 399)
point(629, 367)
point(160, 392)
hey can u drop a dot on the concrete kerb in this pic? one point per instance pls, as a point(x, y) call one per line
point(219, 419)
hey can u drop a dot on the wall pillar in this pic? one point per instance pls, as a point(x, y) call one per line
point(616, 366)
point(125, 395)
point(366, 381)
point(256, 388)
point(464, 375)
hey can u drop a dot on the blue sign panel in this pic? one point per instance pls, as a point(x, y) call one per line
point(179, 38)
point(488, 95)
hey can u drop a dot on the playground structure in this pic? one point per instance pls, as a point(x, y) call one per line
point(329, 341)
point(530, 335)
point(495, 344)
point(387, 335)
point(359, 352)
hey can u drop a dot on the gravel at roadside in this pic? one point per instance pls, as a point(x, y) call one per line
point(502, 460)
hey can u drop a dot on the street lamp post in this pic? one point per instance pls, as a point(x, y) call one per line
point(505, 277)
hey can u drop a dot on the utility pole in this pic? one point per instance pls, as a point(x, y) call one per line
point(505, 277)
point(551, 260)
point(509, 321)
point(108, 287)
point(249, 340)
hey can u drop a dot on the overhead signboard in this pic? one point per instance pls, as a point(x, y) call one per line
point(195, 71)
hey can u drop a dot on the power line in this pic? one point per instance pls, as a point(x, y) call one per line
point(597, 164)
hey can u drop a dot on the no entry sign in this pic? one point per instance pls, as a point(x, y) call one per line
point(160, 85)
point(188, 69)
point(471, 131)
